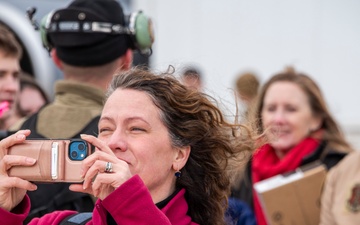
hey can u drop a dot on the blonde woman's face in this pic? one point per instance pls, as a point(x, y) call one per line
point(287, 116)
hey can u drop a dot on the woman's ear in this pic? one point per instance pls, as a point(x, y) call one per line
point(181, 157)
point(316, 123)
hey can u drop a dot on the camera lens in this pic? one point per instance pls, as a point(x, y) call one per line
point(74, 154)
point(77, 150)
point(81, 147)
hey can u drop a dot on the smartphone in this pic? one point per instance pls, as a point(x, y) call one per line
point(57, 160)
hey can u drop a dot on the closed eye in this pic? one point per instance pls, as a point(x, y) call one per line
point(137, 129)
point(270, 108)
point(291, 108)
point(103, 130)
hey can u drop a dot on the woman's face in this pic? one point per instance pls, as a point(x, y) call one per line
point(287, 114)
point(130, 125)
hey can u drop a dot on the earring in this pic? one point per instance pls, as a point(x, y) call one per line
point(178, 174)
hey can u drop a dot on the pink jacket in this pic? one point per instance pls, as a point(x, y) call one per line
point(131, 203)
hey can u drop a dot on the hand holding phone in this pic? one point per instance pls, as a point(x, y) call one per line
point(57, 160)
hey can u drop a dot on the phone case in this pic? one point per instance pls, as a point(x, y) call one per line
point(53, 162)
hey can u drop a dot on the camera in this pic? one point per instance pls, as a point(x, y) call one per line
point(57, 160)
point(78, 150)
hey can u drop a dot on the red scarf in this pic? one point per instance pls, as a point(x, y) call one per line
point(265, 164)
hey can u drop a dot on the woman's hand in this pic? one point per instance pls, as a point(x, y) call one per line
point(13, 189)
point(97, 181)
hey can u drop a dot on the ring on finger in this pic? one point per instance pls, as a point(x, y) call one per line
point(108, 167)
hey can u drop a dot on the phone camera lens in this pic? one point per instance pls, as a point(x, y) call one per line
point(81, 147)
point(77, 150)
point(74, 154)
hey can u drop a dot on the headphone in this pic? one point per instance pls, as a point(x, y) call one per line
point(137, 25)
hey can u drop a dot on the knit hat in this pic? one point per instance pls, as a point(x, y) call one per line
point(81, 48)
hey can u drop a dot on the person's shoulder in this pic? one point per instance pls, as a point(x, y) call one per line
point(18, 124)
point(332, 157)
point(352, 158)
point(349, 165)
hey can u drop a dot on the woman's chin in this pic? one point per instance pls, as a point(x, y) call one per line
point(281, 146)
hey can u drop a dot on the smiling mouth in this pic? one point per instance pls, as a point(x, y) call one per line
point(278, 132)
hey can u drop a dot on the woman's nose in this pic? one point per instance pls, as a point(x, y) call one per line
point(117, 142)
point(278, 116)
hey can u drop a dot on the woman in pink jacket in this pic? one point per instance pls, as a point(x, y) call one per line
point(160, 158)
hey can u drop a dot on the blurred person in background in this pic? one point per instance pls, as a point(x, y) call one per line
point(10, 55)
point(192, 78)
point(29, 100)
point(340, 200)
point(247, 87)
point(31, 97)
point(298, 129)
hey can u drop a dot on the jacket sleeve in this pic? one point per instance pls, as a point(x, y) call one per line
point(55, 217)
point(17, 215)
point(20, 212)
point(326, 215)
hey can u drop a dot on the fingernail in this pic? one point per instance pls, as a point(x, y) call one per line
point(34, 187)
point(20, 136)
point(30, 160)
